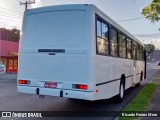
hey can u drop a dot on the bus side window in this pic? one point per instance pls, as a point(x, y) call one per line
point(99, 28)
point(122, 46)
point(113, 42)
point(102, 38)
point(142, 53)
point(129, 48)
point(138, 51)
point(134, 50)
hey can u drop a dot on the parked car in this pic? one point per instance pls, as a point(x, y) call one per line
point(158, 63)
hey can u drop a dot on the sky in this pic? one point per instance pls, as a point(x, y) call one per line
point(118, 10)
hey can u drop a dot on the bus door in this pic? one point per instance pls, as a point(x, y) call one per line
point(134, 64)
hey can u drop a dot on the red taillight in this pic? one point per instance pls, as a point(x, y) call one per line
point(79, 86)
point(22, 82)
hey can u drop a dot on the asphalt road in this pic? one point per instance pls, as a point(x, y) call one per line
point(11, 100)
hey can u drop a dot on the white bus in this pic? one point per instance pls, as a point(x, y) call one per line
point(76, 51)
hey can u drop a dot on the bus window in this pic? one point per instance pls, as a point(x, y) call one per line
point(141, 53)
point(99, 29)
point(113, 40)
point(104, 31)
point(134, 50)
point(129, 48)
point(122, 46)
point(102, 38)
point(138, 51)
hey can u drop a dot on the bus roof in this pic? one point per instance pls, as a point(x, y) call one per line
point(83, 7)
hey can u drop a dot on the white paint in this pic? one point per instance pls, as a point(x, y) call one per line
point(69, 27)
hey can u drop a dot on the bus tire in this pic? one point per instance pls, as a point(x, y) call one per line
point(121, 92)
point(138, 84)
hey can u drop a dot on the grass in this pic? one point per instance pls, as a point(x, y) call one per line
point(141, 100)
point(155, 78)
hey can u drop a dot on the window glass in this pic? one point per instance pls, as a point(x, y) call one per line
point(99, 27)
point(129, 48)
point(104, 31)
point(122, 46)
point(102, 46)
point(122, 40)
point(114, 49)
point(113, 35)
point(113, 44)
point(122, 51)
point(102, 38)
point(138, 51)
point(134, 51)
point(142, 53)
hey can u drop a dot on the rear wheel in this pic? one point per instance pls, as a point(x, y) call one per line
point(121, 93)
point(138, 84)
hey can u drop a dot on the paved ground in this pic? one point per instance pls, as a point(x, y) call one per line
point(11, 100)
point(8, 76)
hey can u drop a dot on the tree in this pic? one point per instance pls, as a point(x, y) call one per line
point(10, 34)
point(150, 48)
point(152, 11)
point(14, 35)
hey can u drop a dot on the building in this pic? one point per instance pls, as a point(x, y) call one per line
point(8, 51)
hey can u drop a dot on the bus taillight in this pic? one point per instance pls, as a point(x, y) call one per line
point(23, 82)
point(80, 86)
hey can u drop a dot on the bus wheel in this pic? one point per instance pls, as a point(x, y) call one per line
point(121, 93)
point(138, 84)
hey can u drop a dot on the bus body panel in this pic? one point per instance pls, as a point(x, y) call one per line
point(109, 68)
point(65, 29)
point(72, 29)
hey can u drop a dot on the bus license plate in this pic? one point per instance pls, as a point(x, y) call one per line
point(50, 85)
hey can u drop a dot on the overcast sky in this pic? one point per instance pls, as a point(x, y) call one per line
point(117, 9)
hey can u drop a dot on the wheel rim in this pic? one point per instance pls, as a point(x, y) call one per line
point(122, 91)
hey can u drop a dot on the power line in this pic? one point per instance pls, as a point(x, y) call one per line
point(11, 16)
point(130, 19)
point(8, 14)
point(10, 10)
point(147, 34)
point(10, 19)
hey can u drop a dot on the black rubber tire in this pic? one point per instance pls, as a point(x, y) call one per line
point(120, 96)
point(138, 84)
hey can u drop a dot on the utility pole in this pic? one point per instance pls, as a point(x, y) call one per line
point(26, 3)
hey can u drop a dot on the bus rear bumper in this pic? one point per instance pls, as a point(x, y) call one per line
point(85, 95)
